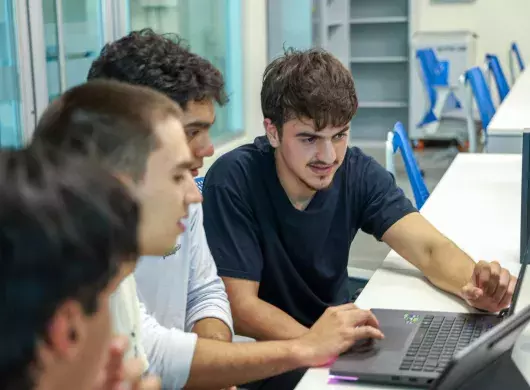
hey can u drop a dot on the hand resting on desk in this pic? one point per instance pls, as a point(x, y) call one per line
point(490, 288)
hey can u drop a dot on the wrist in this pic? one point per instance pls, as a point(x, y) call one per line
point(300, 353)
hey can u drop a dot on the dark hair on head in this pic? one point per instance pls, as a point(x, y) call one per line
point(161, 62)
point(66, 225)
point(310, 84)
point(113, 121)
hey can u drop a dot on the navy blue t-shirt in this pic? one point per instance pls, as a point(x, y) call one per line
point(299, 257)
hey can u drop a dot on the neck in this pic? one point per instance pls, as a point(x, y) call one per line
point(297, 191)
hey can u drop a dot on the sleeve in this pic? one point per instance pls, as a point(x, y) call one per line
point(169, 351)
point(384, 203)
point(207, 296)
point(231, 231)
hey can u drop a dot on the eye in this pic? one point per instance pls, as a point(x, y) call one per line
point(192, 133)
point(309, 140)
point(178, 178)
point(340, 136)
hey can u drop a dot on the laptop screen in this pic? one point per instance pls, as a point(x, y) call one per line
point(525, 219)
point(520, 279)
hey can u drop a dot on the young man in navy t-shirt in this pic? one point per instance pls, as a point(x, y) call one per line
point(281, 213)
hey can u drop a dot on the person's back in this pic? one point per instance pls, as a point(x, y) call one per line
point(67, 227)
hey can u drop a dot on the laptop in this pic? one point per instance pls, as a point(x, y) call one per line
point(487, 363)
point(418, 345)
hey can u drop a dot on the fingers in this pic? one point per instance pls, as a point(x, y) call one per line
point(133, 370)
point(494, 275)
point(507, 299)
point(481, 274)
point(472, 293)
point(369, 319)
point(367, 332)
point(357, 316)
point(148, 383)
point(502, 286)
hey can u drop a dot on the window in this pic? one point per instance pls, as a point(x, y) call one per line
point(73, 37)
point(10, 100)
point(212, 28)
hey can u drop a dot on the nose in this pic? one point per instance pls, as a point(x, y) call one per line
point(327, 152)
point(193, 195)
point(205, 148)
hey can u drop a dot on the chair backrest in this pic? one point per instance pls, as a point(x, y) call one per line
point(481, 92)
point(434, 73)
point(514, 51)
point(495, 67)
point(400, 140)
point(517, 53)
point(199, 181)
point(434, 70)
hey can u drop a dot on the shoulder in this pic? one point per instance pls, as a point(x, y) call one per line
point(357, 163)
point(239, 165)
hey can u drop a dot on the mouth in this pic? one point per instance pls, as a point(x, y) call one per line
point(180, 223)
point(195, 171)
point(321, 170)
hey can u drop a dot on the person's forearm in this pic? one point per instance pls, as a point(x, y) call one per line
point(262, 321)
point(220, 365)
point(212, 328)
point(449, 268)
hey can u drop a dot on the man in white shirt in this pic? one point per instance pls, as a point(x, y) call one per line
point(135, 132)
point(187, 312)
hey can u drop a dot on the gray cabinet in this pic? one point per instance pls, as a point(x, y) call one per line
point(371, 38)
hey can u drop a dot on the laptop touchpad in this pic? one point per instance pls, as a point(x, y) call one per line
point(395, 337)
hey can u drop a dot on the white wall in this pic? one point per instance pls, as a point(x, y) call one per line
point(497, 23)
point(254, 63)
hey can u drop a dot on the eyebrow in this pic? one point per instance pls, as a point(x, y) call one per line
point(201, 124)
point(306, 134)
point(184, 165)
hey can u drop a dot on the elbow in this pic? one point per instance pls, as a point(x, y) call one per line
point(243, 315)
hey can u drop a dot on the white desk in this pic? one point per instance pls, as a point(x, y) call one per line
point(477, 205)
point(512, 117)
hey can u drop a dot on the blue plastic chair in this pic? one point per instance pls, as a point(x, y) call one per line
point(482, 95)
point(514, 51)
point(399, 140)
point(435, 76)
point(494, 66)
point(199, 181)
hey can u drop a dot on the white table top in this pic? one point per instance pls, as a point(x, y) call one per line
point(513, 115)
point(477, 205)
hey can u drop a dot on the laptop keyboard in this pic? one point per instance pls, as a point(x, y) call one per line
point(438, 339)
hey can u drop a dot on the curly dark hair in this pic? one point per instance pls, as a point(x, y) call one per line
point(308, 84)
point(161, 62)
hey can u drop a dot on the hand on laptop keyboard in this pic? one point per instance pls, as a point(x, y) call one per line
point(336, 331)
